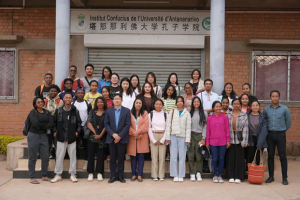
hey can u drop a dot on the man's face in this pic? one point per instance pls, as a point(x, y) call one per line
point(48, 79)
point(208, 85)
point(72, 71)
point(117, 101)
point(68, 85)
point(53, 93)
point(80, 94)
point(89, 71)
point(68, 99)
point(275, 98)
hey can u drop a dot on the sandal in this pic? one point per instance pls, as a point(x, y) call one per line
point(140, 180)
point(45, 178)
point(133, 179)
point(34, 181)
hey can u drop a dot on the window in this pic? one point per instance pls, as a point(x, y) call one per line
point(7, 74)
point(277, 71)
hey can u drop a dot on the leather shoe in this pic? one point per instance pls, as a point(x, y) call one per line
point(122, 180)
point(112, 179)
point(285, 181)
point(270, 179)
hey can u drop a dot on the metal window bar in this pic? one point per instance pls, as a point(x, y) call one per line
point(8, 73)
point(289, 77)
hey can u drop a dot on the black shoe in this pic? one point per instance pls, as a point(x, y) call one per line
point(270, 179)
point(121, 179)
point(285, 181)
point(111, 180)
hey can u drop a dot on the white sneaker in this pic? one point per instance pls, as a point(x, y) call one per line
point(215, 179)
point(155, 179)
point(231, 180)
point(180, 179)
point(56, 179)
point(199, 178)
point(175, 179)
point(84, 168)
point(220, 179)
point(193, 177)
point(99, 177)
point(91, 177)
point(73, 178)
point(237, 181)
point(161, 179)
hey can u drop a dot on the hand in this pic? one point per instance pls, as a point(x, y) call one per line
point(187, 143)
point(207, 146)
point(76, 134)
point(54, 134)
point(244, 146)
point(97, 137)
point(248, 144)
point(117, 141)
point(161, 143)
point(116, 136)
point(155, 143)
point(202, 142)
point(167, 141)
point(228, 145)
point(138, 137)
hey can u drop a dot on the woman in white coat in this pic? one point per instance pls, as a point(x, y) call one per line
point(179, 134)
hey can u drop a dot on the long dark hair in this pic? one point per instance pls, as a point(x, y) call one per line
point(108, 68)
point(104, 101)
point(138, 85)
point(153, 95)
point(242, 97)
point(108, 90)
point(179, 97)
point(201, 111)
point(141, 112)
point(165, 95)
point(169, 82)
point(129, 90)
point(232, 94)
point(35, 99)
point(152, 74)
point(196, 70)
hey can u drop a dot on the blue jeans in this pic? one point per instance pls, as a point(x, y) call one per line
point(218, 154)
point(137, 160)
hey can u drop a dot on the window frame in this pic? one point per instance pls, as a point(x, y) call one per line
point(15, 97)
point(270, 53)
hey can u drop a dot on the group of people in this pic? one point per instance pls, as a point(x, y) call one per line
point(115, 117)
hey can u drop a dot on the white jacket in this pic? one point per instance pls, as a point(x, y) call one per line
point(181, 126)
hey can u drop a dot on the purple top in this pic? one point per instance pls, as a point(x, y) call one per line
point(217, 131)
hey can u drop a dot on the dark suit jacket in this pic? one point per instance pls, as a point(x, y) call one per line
point(123, 127)
point(262, 132)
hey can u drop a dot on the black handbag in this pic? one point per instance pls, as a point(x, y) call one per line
point(204, 152)
point(26, 126)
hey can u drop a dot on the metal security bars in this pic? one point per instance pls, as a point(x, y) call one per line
point(277, 71)
point(7, 73)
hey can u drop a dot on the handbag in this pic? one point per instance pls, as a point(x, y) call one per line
point(86, 132)
point(26, 126)
point(256, 172)
point(204, 152)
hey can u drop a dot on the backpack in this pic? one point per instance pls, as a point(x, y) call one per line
point(151, 117)
point(41, 90)
point(26, 126)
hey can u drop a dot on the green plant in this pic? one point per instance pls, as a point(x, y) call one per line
point(5, 140)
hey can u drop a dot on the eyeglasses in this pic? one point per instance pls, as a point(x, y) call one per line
point(39, 102)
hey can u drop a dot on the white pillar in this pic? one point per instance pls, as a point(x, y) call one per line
point(62, 40)
point(217, 43)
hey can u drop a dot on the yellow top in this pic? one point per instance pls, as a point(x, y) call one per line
point(91, 98)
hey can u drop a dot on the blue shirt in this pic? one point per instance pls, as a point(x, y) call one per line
point(117, 116)
point(102, 82)
point(180, 112)
point(279, 118)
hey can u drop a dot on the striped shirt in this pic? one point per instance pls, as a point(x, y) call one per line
point(169, 104)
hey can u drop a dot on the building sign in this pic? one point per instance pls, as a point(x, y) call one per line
point(140, 22)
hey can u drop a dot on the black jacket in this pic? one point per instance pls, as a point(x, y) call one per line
point(39, 127)
point(73, 126)
point(262, 131)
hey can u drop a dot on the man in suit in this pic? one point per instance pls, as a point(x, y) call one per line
point(117, 124)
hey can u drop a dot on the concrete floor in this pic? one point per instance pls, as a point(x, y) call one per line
point(22, 189)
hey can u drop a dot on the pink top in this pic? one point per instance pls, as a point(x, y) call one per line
point(158, 123)
point(217, 131)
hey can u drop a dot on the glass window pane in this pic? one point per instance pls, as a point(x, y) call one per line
point(7, 69)
point(295, 78)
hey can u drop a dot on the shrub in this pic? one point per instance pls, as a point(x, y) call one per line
point(5, 140)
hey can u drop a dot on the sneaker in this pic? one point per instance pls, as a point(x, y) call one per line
point(193, 177)
point(90, 177)
point(161, 179)
point(215, 179)
point(220, 179)
point(199, 178)
point(73, 178)
point(231, 180)
point(99, 177)
point(237, 181)
point(180, 179)
point(56, 179)
point(168, 157)
point(175, 179)
point(84, 168)
point(155, 179)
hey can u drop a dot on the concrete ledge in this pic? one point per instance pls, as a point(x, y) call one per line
point(280, 43)
point(11, 38)
point(15, 151)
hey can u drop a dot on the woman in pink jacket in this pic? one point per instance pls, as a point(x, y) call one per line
point(217, 139)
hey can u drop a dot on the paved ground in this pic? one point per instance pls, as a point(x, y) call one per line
point(22, 189)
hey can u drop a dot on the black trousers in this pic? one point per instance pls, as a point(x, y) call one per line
point(51, 141)
point(117, 153)
point(277, 138)
point(84, 142)
point(235, 162)
point(251, 152)
point(93, 148)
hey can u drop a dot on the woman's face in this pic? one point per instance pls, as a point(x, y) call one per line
point(245, 100)
point(105, 93)
point(188, 89)
point(228, 89)
point(217, 108)
point(138, 105)
point(173, 79)
point(196, 103)
point(106, 73)
point(100, 103)
point(179, 103)
point(39, 103)
point(114, 79)
point(236, 105)
point(225, 104)
point(134, 82)
point(94, 87)
point(158, 106)
point(125, 85)
point(196, 75)
point(170, 91)
point(246, 89)
point(255, 107)
point(147, 88)
point(150, 79)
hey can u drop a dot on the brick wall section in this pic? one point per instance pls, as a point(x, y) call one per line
point(28, 22)
point(32, 67)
